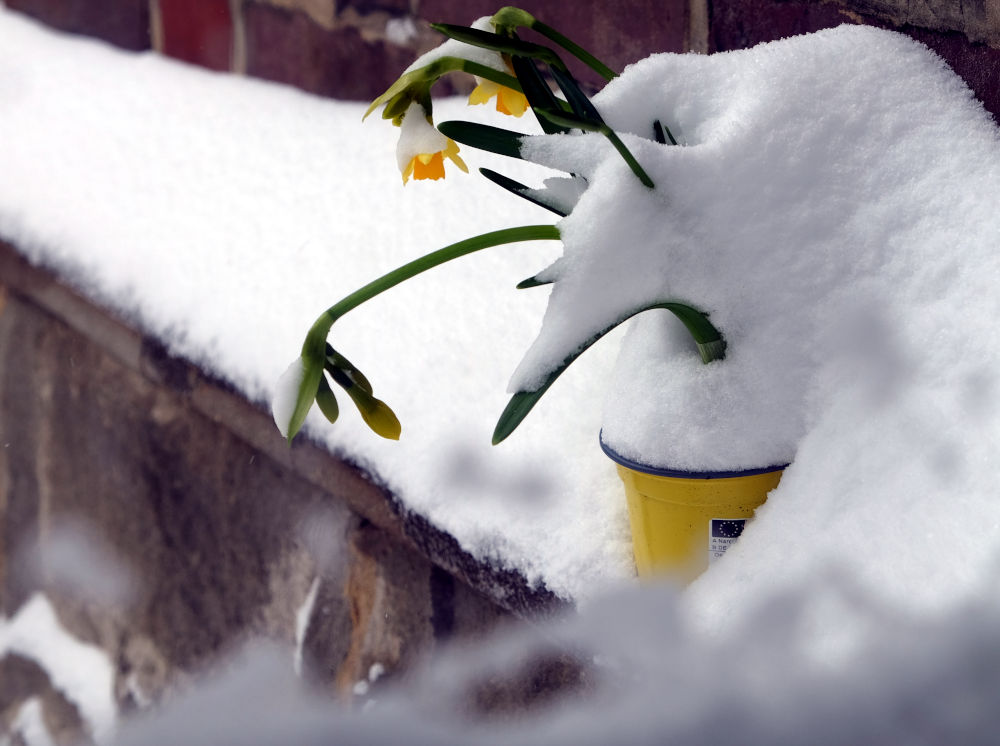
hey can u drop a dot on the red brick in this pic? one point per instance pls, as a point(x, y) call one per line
point(198, 31)
point(124, 23)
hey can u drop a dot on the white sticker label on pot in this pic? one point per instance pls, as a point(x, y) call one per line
point(722, 534)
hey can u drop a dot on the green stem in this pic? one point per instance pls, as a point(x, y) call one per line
point(510, 18)
point(416, 84)
point(488, 73)
point(627, 155)
point(498, 43)
point(575, 49)
point(314, 346)
point(572, 121)
point(711, 346)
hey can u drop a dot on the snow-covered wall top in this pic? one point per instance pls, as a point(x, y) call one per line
point(223, 215)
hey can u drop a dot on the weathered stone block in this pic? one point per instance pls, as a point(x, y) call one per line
point(124, 23)
point(322, 12)
point(206, 527)
point(289, 47)
point(979, 20)
point(740, 24)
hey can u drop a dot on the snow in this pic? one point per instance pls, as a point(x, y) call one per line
point(30, 725)
point(80, 671)
point(302, 617)
point(453, 48)
point(286, 391)
point(832, 204)
point(652, 678)
point(843, 238)
point(224, 215)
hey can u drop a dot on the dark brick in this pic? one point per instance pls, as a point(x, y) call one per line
point(977, 64)
point(288, 47)
point(124, 23)
point(739, 24)
point(198, 31)
point(396, 7)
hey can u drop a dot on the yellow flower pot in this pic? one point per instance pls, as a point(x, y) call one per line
point(683, 521)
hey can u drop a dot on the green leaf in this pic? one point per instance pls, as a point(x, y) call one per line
point(482, 71)
point(483, 137)
point(336, 360)
point(415, 85)
point(535, 196)
point(327, 401)
point(397, 88)
point(511, 18)
point(573, 121)
point(375, 412)
point(517, 409)
point(662, 134)
point(575, 49)
point(533, 282)
point(577, 99)
point(537, 91)
point(504, 44)
point(711, 347)
point(311, 375)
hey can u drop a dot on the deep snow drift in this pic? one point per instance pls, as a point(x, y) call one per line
point(832, 205)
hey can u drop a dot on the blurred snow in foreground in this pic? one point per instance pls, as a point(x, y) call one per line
point(645, 676)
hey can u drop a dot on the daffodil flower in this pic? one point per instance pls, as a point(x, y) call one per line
point(421, 149)
point(509, 101)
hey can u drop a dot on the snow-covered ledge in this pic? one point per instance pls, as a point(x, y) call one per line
point(167, 520)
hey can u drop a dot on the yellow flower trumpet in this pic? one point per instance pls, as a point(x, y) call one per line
point(509, 101)
point(421, 149)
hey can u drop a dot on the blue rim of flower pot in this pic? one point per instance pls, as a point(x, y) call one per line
point(680, 473)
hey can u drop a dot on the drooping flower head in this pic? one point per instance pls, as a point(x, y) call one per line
point(509, 101)
point(421, 149)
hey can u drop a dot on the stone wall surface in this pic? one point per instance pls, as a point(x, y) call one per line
point(167, 521)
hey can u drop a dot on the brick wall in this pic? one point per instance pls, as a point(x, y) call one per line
point(354, 49)
point(966, 35)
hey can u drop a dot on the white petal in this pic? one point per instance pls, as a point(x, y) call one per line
point(286, 394)
point(417, 135)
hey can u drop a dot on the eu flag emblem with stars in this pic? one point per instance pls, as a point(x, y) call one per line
point(727, 529)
